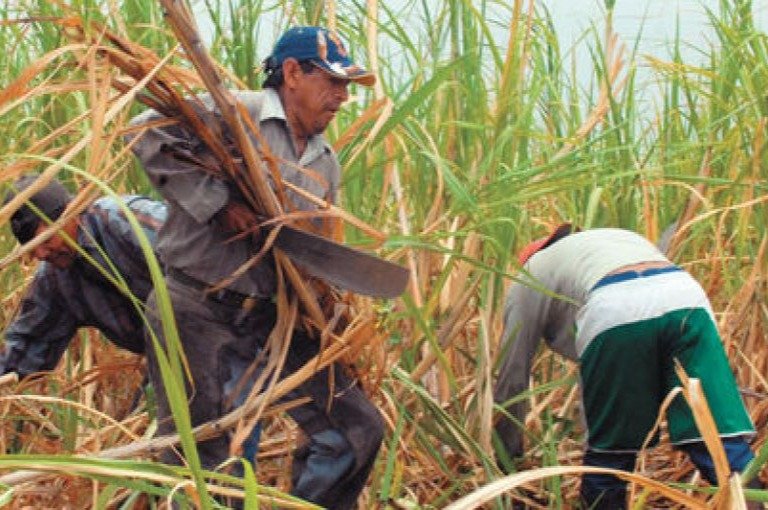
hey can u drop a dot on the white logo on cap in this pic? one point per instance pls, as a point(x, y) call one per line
point(337, 68)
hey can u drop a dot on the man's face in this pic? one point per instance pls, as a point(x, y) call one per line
point(55, 250)
point(317, 97)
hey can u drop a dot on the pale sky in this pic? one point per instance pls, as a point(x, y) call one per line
point(657, 19)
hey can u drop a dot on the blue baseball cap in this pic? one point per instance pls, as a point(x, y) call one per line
point(321, 47)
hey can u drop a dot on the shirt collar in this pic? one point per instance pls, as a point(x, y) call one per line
point(272, 108)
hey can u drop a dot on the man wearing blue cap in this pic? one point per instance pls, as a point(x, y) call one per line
point(307, 78)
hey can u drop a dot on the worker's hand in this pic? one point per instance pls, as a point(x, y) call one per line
point(237, 217)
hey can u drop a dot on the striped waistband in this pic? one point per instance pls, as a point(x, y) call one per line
point(632, 274)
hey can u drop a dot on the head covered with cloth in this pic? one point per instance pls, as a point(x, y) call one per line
point(49, 202)
point(32, 218)
point(531, 248)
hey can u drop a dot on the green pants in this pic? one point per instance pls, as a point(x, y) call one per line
point(628, 370)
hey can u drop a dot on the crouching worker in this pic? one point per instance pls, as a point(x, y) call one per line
point(69, 291)
point(611, 300)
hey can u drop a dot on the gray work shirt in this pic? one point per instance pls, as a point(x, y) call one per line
point(59, 301)
point(192, 240)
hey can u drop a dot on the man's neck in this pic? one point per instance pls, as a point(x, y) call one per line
point(294, 126)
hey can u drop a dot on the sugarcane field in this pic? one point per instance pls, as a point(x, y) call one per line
point(391, 255)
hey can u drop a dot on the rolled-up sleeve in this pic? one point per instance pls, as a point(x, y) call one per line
point(38, 336)
point(167, 155)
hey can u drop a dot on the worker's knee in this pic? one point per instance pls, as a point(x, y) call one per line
point(371, 430)
point(329, 443)
point(360, 421)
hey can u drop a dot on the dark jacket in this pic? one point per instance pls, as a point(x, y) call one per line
point(59, 301)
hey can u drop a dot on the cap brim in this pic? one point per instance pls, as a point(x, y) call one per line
point(366, 79)
point(529, 249)
point(361, 76)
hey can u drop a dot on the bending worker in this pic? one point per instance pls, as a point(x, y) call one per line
point(611, 300)
point(308, 75)
point(69, 290)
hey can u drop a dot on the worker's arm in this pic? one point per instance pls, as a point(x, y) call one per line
point(38, 336)
point(560, 332)
point(174, 160)
point(523, 329)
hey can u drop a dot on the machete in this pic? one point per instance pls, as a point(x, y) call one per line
point(341, 265)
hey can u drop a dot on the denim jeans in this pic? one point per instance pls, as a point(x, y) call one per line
point(327, 457)
point(338, 419)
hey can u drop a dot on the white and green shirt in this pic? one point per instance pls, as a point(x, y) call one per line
point(612, 331)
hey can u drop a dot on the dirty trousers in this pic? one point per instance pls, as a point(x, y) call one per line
point(344, 439)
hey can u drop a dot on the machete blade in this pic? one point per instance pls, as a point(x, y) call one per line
point(341, 265)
